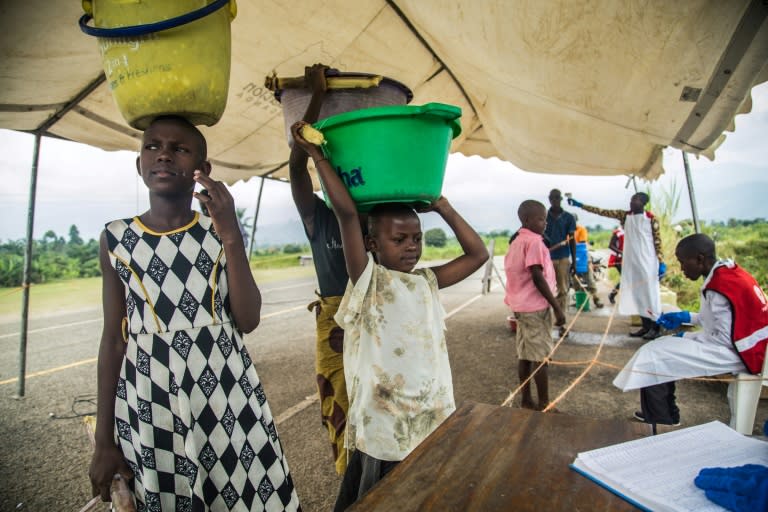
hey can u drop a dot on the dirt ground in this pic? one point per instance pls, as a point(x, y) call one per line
point(44, 460)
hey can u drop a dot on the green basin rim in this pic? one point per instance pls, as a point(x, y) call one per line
point(448, 112)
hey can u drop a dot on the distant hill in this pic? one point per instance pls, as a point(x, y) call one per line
point(289, 232)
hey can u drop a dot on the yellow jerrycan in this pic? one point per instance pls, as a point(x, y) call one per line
point(164, 57)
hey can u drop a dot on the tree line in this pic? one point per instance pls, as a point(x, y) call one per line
point(53, 258)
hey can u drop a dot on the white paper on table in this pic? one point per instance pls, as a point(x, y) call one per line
point(658, 471)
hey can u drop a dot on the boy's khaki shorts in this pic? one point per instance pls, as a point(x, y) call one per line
point(534, 335)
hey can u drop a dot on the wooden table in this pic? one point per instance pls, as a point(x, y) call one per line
point(492, 458)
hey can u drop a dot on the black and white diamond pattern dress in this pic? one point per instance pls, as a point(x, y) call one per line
point(191, 416)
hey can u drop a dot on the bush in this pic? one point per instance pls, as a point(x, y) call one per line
point(292, 248)
point(435, 237)
point(11, 270)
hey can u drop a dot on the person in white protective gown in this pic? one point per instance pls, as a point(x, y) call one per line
point(642, 265)
point(734, 331)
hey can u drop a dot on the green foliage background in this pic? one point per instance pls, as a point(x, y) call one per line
point(435, 237)
point(53, 258)
point(56, 259)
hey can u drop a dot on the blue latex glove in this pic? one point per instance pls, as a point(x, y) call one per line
point(662, 269)
point(679, 334)
point(674, 320)
point(740, 489)
point(573, 202)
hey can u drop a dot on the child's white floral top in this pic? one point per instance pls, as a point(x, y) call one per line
point(395, 361)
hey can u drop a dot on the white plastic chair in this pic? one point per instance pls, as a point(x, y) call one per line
point(743, 397)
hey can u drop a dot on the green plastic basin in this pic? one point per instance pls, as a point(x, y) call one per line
point(392, 153)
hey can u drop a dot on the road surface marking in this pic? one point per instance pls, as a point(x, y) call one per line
point(86, 361)
point(297, 408)
point(462, 306)
point(52, 327)
point(283, 417)
point(83, 322)
point(283, 311)
point(287, 287)
point(50, 370)
point(294, 410)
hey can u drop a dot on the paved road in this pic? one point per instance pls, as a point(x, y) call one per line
point(72, 338)
point(45, 462)
point(62, 342)
point(61, 368)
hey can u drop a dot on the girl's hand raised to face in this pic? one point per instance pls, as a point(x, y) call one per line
point(221, 207)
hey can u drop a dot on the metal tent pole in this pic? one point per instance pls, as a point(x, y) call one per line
point(691, 193)
point(39, 132)
point(631, 180)
point(488, 274)
point(27, 267)
point(255, 219)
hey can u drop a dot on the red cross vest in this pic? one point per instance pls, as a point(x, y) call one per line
point(749, 306)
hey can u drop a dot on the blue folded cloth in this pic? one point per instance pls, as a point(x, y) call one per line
point(739, 489)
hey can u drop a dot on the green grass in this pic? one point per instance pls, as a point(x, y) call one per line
point(600, 239)
point(748, 245)
point(79, 294)
point(69, 295)
point(273, 261)
point(452, 249)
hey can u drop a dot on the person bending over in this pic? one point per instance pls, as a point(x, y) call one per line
point(733, 336)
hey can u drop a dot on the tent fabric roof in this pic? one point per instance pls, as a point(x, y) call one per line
point(594, 87)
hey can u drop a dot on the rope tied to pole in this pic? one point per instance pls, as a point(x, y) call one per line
point(595, 361)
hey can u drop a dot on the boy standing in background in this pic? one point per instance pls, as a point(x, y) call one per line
point(559, 232)
point(529, 293)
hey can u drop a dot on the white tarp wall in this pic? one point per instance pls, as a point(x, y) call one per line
point(563, 86)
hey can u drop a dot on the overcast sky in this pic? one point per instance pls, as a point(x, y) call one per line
point(86, 186)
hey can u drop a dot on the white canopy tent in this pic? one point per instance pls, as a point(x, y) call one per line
point(589, 87)
point(594, 87)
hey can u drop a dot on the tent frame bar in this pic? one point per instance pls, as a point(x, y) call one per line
point(27, 268)
point(88, 89)
point(691, 193)
point(423, 41)
point(25, 282)
point(255, 219)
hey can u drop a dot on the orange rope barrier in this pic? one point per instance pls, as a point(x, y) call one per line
point(578, 379)
point(595, 361)
point(549, 356)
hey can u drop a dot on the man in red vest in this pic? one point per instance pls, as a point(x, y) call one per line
point(733, 338)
